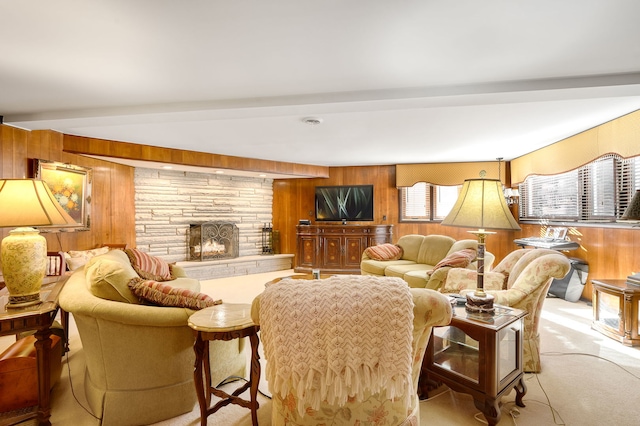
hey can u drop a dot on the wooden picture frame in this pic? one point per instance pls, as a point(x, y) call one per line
point(557, 233)
point(71, 186)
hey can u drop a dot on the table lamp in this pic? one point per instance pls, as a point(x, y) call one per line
point(632, 212)
point(23, 254)
point(481, 204)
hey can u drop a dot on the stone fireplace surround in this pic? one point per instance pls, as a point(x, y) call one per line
point(168, 201)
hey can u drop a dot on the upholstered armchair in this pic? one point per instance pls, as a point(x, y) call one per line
point(346, 350)
point(520, 281)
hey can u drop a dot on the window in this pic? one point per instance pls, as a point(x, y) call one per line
point(426, 202)
point(598, 191)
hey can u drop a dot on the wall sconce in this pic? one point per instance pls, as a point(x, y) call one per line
point(512, 195)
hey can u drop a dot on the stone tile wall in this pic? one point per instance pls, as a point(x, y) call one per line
point(168, 201)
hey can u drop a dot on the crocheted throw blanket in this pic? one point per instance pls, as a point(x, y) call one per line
point(337, 338)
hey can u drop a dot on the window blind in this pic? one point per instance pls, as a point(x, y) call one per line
point(598, 191)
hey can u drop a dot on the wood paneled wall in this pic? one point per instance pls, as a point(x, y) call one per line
point(112, 203)
point(608, 251)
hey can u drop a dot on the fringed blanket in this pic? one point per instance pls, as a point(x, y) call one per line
point(334, 339)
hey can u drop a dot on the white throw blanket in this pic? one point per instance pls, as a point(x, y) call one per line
point(328, 340)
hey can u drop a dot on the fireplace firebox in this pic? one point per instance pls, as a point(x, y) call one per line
point(213, 240)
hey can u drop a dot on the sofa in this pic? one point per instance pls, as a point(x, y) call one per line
point(423, 261)
point(139, 357)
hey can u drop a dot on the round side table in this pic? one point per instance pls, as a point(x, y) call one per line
point(226, 321)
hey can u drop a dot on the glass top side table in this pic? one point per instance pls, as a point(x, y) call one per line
point(479, 354)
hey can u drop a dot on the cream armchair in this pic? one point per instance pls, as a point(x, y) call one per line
point(520, 281)
point(297, 399)
point(139, 358)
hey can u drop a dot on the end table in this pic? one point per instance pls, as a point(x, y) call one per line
point(39, 318)
point(226, 321)
point(478, 354)
point(616, 309)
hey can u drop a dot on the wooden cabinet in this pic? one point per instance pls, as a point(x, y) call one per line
point(337, 248)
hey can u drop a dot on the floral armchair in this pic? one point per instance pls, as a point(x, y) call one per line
point(310, 399)
point(521, 280)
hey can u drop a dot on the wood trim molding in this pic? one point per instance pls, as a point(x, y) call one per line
point(108, 148)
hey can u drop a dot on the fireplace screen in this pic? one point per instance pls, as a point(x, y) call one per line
point(213, 240)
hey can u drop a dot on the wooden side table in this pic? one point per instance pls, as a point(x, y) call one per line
point(39, 318)
point(616, 308)
point(478, 354)
point(226, 321)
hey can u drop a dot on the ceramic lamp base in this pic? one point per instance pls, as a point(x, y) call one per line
point(23, 258)
point(479, 303)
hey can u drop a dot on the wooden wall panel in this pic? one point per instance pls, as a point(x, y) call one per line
point(113, 195)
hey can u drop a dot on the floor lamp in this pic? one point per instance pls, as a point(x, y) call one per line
point(23, 255)
point(481, 204)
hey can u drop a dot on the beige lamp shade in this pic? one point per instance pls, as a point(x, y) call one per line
point(632, 212)
point(481, 204)
point(29, 202)
point(26, 203)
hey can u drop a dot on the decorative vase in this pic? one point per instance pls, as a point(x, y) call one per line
point(23, 261)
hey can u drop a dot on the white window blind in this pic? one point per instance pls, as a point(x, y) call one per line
point(598, 191)
point(415, 202)
point(426, 202)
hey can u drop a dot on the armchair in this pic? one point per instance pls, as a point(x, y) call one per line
point(520, 281)
point(364, 376)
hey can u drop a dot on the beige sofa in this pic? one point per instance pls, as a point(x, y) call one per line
point(139, 358)
point(420, 255)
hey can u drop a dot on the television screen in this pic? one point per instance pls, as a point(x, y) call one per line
point(354, 203)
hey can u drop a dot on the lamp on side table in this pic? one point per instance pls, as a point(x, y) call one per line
point(26, 203)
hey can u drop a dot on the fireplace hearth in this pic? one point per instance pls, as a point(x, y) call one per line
point(213, 240)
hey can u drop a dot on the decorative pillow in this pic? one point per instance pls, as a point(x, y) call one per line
point(149, 267)
point(457, 259)
point(384, 251)
point(165, 295)
point(108, 276)
point(77, 259)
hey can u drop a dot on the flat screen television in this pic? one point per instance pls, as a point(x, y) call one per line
point(347, 202)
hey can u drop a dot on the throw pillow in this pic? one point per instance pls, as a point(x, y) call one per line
point(149, 267)
point(384, 251)
point(78, 258)
point(457, 259)
point(166, 295)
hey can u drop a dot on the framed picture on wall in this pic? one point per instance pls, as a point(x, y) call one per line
point(71, 187)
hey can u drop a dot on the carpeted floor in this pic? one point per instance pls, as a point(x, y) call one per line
point(587, 378)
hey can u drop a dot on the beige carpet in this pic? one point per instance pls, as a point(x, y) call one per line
point(587, 379)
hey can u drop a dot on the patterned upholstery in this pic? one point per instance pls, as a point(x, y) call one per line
point(430, 308)
point(523, 281)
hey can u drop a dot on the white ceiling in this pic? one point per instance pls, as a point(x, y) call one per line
point(393, 81)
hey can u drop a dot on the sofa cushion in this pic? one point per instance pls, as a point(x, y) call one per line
point(401, 270)
point(410, 246)
point(76, 259)
point(434, 248)
point(166, 295)
point(149, 267)
point(377, 267)
point(108, 276)
point(385, 251)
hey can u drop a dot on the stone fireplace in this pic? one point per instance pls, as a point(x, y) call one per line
point(213, 240)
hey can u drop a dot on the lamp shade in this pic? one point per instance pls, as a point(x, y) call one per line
point(26, 203)
point(632, 211)
point(481, 204)
point(29, 202)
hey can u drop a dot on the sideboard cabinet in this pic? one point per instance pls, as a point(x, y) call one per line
point(337, 249)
